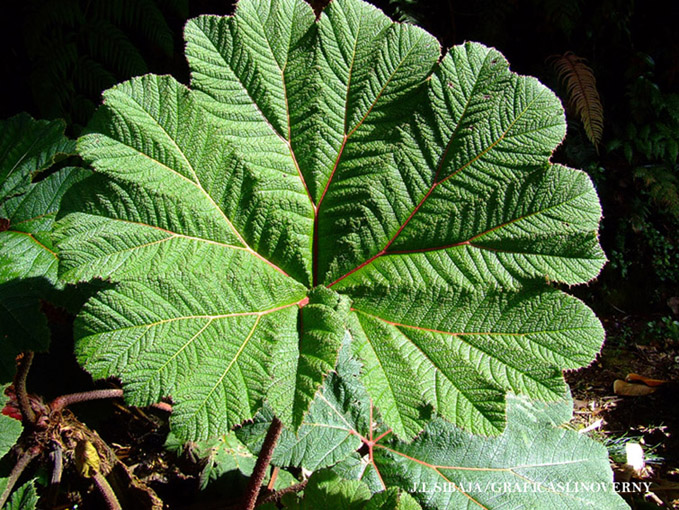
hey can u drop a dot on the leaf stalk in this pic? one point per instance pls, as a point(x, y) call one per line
point(263, 461)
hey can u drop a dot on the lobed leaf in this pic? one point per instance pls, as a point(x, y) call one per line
point(323, 175)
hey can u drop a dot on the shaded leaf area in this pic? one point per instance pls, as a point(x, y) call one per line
point(322, 174)
point(28, 259)
point(28, 147)
point(222, 457)
point(326, 490)
point(79, 48)
point(11, 427)
point(536, 460)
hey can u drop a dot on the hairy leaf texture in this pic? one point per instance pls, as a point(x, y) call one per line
point(321, 176)
point(534, 463)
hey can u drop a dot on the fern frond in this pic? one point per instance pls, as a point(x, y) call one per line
point(581, 91)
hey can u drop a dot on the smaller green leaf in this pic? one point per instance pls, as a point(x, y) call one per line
point(27, 212)
point(327, 490)
point(28, 265)
point(10, 428)
point(28, 146)
point(221, 456)
point(330, 431)
point(24, 498)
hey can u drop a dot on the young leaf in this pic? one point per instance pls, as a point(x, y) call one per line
point(337, 164)
point(10, 427)
point(24, 498)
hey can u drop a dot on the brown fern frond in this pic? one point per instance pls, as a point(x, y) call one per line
point(582, 94)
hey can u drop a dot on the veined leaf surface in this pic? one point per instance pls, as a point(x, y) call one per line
point(28, 259)
point(534, 463)
point(323, 175)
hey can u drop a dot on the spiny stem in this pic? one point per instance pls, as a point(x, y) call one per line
point(18, 468)
point(23, 367)
point(263, 461)
point(66, 400)
point(107, 492)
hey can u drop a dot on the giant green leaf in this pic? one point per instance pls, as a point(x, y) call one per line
point(322, 175)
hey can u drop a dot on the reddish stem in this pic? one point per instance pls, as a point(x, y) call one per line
point(106, 491)
point(263, 461)
point(18, 468)
point(163, 406)
point(23, 366)
point(74, 398)
point(276, 496)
